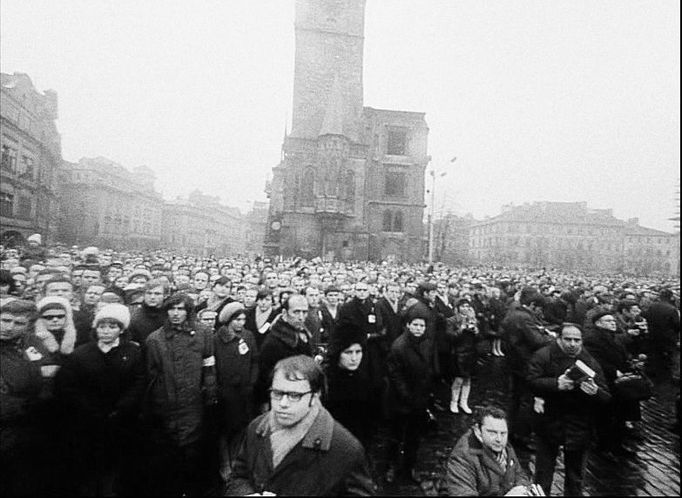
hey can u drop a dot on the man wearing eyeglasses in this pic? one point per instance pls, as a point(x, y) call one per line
point(288, 337)
point(297, 448)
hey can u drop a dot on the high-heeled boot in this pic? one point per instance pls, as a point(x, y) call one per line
point(464, 397)
point(456, 390)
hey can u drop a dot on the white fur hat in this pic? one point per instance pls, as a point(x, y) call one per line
point(229, 311)
point(113, 311)
point(35, 238)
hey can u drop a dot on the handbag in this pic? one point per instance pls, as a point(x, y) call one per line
point(634, 386)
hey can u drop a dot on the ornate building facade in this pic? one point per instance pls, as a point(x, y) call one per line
point(31, 157)
point(104, 204)
point(571, 236)
point(350, 183)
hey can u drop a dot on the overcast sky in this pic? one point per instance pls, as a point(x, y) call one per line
point(567, 100)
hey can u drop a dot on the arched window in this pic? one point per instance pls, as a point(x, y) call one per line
point(387, 221)
point(350, 186)
point(398, 221)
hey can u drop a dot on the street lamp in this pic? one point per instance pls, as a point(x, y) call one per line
point(433, 202)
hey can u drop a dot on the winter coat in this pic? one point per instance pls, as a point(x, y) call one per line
point(328, 461)
point(608, 351)
point(143, 321)
point(391, 320)
point(259, 335)
point(472, 470)
point(496, 311)
point(236, 362)
point(525, 334)
point(412, 365)
point(569, 415)
point(348, 399)
point(282, 342)
point(664, 324)
point(96, 385)
point(435, 322)
point(23, 389)
point(463, 334)
point(180, 366)
point(328, 321)
point(82, 320)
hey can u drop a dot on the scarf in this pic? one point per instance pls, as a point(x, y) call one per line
point(284, 439)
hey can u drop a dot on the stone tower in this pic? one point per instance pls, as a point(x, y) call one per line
point(329, 49)
point(335, 184)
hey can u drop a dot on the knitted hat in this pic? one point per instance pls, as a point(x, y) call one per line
point(343, 337)
point(230, 310)
point(114, 311)
point(53, 303)
point(36, 237)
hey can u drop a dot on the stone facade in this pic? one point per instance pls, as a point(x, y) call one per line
point(200, 224)
point(104, 204)
point(31, 157)
point(350, 183)
point(571, 236)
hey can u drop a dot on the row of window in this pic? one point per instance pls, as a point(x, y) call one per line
point(542, 228)
point(24, 206)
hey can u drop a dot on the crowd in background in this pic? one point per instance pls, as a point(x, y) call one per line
point(139, 372)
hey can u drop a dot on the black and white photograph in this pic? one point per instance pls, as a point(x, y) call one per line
point(339, 247)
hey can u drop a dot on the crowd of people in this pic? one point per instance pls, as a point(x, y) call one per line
point(155, 372)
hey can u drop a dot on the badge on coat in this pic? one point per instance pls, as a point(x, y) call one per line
point(371, 319)
point(33, 354)
point(264, 328)
point(243, 347)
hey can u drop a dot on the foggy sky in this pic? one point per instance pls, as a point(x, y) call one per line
point(568, 100)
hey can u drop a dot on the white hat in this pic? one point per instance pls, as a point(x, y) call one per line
point(35, 238)
point(113, 311)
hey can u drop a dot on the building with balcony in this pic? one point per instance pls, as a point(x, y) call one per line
point(31, 158)
point(350, 182)
point(105, 204)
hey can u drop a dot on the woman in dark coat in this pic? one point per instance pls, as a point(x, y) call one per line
point(236, 373)
point(348, 394)
point(412, 365)
point(462, 328)
point(102, 384)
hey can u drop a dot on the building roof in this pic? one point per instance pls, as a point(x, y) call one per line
point(557, 212)
point(640, 230)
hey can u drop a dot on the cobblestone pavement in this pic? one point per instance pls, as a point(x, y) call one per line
point(654, 471)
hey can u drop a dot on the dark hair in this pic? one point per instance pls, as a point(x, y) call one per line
point(626, 304)
point(488, 411)
point(301, 367)
point(7, 279)
point(285, 303)
point(530, 295)
point(263, 293)
point(180, 298)
point(21, 307)
point(222, 281)
point(425, 287)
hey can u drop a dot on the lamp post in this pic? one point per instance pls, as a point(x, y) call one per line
point(433, 202)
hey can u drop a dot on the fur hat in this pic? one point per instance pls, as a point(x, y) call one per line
point(113, 311)
point(48, 339)
point(36, 237)
point(230, 310)
point(601, 313)
point(343, 337)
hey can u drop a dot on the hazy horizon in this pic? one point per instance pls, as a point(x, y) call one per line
point(539, 101)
